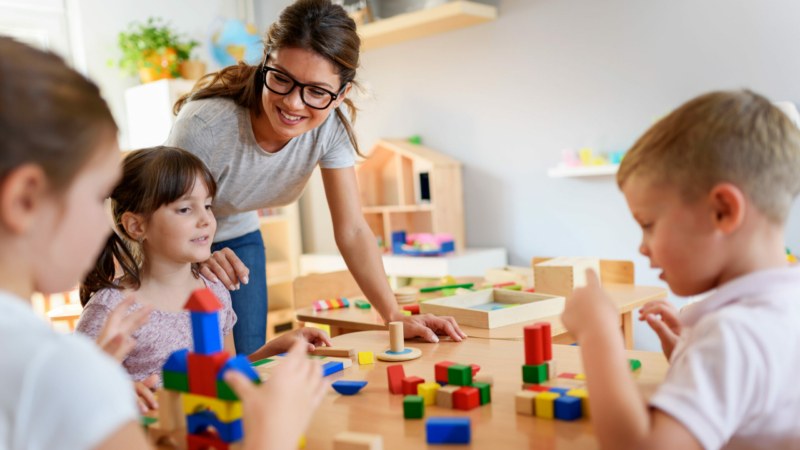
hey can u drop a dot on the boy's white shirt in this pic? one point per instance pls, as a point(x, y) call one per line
point(56, 391)
point(733, 377)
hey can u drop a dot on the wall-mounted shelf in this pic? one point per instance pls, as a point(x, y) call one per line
point(426, 22)
point(582, 171)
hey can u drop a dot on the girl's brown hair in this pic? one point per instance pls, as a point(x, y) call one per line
point(151, 178)
point(314, 25)
point(50, 115)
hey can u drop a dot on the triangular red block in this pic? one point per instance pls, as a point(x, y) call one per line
point(203, 300)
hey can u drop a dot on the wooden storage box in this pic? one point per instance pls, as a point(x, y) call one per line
point(474, 309)
point(560, 276)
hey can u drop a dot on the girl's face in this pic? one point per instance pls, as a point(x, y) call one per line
point(288, 116)
point(74, 225)
point(182, 231)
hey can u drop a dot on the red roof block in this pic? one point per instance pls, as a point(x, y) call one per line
point(203, 300)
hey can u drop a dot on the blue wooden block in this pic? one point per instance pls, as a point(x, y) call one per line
point(240, 364)
point(348, 387)
point(567, 408)
point(177, 362)
point(228, 431)
point(561, 391)
point(448, 430)
point(331, 367)
point(206, 333)
point(442, 383)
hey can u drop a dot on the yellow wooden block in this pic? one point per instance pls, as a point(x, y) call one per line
point(366, 358)
point(408, 313)
point(302, 443)
point(428, 392)
point(322, 326)
point(226, 410)
point(544, 404)
point(582, 394)
point(580, 376)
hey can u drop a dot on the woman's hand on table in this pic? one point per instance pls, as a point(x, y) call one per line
point(429, 326)
point(226, 267)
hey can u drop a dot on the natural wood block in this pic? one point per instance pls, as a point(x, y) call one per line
point(474, 309)
point(170, 410)
point(349, 440)
point(161, 438)
point(525, 402)
point(444, 396)
point(560, 276)
point(484, 377)
point(396, 337)
point(339, 352)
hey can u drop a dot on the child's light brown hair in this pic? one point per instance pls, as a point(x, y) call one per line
point(737, 137)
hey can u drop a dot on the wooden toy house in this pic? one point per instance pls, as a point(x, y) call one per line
point(411, 188)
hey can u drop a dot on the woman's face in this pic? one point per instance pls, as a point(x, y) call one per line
point(288, 116)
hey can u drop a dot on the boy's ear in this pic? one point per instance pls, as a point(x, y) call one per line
point(22, 192)
point(728, 204)
point(134, 225)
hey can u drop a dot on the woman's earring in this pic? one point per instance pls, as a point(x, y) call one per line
point(141, 239)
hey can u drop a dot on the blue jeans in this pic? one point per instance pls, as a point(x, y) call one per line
point(250, 301)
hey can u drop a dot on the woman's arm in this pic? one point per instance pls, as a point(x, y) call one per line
point(360, 250)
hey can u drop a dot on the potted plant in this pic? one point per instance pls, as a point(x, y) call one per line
point(153, 50)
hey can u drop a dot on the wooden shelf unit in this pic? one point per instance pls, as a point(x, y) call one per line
point(395, 199)
point(281, 233)
point(425, 22)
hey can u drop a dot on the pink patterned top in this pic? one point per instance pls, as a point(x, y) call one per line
point(165, 333)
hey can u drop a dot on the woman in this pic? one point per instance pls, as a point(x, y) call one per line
point(262, 145)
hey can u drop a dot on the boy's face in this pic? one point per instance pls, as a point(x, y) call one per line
point(679, 238)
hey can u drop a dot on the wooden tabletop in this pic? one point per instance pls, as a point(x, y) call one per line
point(495, 425)
point(626, 297)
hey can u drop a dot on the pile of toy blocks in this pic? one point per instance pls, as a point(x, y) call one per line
point(333, 303)
point(193, 383)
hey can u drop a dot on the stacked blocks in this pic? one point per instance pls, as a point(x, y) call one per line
point(539, 366)
point(448, 430)
point(333, 303)
point(198, 380)
point(459, 374)
point(454, 388)
point(440, 371)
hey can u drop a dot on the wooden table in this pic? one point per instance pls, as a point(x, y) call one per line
point(495, 425)
point(627, 297)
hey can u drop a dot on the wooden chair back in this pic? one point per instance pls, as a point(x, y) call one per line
point(311, 288)
point(611, 271)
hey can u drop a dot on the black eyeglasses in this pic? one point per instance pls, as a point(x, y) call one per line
point(313, 96)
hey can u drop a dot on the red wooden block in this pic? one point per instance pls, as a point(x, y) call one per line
point(533, 345)
point(396, 375)
point(475, 369)
point(510, 283)
point(340, 303)
point(539, 388)
point(568, 375)
point(547, 342)
point(440, 370)
point(200, 442)
point(413, 308)
point(410, 385)
point(203, 300)
point(466, 398)
point(529, 290)
point(203, 370)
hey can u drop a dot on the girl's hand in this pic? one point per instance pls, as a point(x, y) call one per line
point(277, 412)
point(226, 267)
point(115, 337)
point(662, 317)
point(145, 398)
point(314, 337)
point(429, 326)
point(589, 310)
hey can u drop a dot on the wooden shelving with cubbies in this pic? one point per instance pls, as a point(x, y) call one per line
point(280, 228)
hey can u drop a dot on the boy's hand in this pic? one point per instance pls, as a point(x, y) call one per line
point(115, 337)
point(589, 310)
point(667, 327)
point(278, 411)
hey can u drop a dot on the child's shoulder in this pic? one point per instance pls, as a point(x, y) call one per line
point(106, 298)
point(220, 291)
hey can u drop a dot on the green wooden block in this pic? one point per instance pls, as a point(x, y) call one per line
point(363, 304)
point(459, 375)
point(261, 362)
point(176, 381)
point(534, 374)
point(486, 391)
point(147, 421)
point(413, 407)
point(635, 364)
point(224, 391)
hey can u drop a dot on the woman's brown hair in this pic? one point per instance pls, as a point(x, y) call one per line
point(50, 115)
point(151, 178)
point(314, 25)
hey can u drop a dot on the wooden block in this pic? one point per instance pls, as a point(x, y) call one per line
point(551, 369)
point(516, 275)
point(444, 396)
point(535, 387)
point(567, 375)
point(160, 438)
point(466, 309)
point(485, 391)
point(339, 352)
point(459, 374)
point(366, 358)
point(466, 398)
point(560, 276)
point(203, 371)
point(547, 341)
point(544, 404)
point(413, 407)
point(440, 371)
point(396, 337)
point(410, 385)
point(582, 394)
point(428, 392)
point(349, 440)
point(484, 377)
point(525, 402)
point(414, 309)
point(475, 369)
point(170, 410)
point(567, 408)
point(635, 364)
point(534, 351)
point(226, 410)
point(580, 376)
point(534, 374)
point(396, 375)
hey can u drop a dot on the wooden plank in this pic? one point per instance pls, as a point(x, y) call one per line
point(339, 352)
point(311, 288)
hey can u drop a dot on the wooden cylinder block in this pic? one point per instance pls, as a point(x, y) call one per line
point(396, 337)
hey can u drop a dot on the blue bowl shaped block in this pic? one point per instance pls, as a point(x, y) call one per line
point(567, 408)
point(448, 430)
point(348, 387)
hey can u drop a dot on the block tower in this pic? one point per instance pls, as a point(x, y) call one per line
point(196, 401)
point(539, 365)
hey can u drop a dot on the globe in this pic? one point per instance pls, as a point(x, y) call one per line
point(231, 41)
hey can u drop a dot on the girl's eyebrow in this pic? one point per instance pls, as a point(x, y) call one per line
point(316, 83)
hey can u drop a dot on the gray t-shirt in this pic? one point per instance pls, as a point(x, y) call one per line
point(219, 132)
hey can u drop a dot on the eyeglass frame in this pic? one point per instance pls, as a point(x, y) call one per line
point(265, 69)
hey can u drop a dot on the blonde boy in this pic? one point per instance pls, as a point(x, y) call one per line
point(711, 186)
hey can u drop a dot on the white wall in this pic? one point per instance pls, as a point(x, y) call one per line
point(505, 97)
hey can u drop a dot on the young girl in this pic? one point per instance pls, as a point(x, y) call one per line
point(59, 160)
point(162, 212)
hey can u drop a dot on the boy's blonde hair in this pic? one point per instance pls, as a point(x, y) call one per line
point(732, 136)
